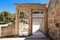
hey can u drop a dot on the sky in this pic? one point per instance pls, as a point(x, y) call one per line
point(9, 5)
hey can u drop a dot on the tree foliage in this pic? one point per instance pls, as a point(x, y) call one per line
point(6, 17)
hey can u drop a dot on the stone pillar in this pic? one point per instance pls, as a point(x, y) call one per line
point(46, 22)
point(17, 22)
point(30, 22)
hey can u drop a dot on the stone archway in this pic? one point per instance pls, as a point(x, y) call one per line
point(29, 8)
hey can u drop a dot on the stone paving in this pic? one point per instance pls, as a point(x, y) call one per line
point(38, 35)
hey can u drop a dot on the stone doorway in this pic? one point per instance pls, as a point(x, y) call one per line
point(37, 18)
point(23, 22)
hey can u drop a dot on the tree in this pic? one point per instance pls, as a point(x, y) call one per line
point(6, 16)
point(21, 16)
point(1, 17)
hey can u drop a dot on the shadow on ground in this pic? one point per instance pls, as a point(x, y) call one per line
point(38, 35)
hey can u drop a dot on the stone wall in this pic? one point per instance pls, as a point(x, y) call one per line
point(42, 26)
point(54, 19)
point(8, 30)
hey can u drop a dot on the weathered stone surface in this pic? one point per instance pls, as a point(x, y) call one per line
point(8, 31)
point(54, 20)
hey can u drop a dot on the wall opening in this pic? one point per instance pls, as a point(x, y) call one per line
point(23, 23)
point(37, 17)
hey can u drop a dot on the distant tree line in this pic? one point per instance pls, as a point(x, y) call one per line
point(6, 17)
